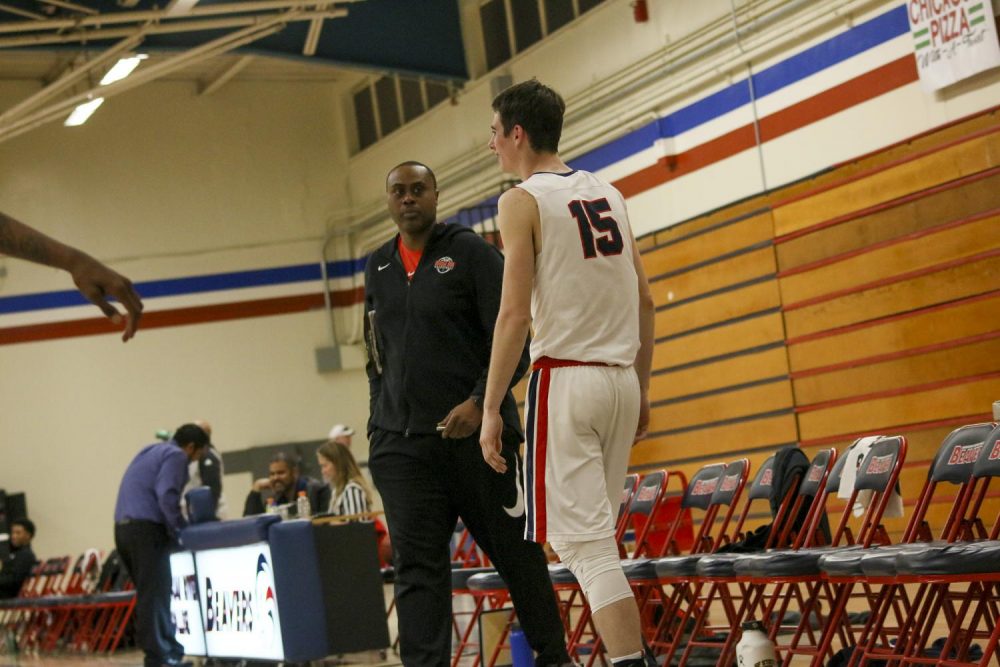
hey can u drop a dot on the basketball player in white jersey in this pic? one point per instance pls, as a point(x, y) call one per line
point(572, 271)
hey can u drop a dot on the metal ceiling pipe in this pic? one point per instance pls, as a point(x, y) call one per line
point(160, 28)
point(71, 77)
point(161, 14)
point(21, 12)
point(210, 49)
point(71, 5)
point(226, 76)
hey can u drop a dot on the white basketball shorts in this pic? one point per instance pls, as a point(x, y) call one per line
point(580, 422)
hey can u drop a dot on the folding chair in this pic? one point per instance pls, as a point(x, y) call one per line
point(35, 617)
point(62, 608)
point(13, 611)
point(658, 609)
point(109, 609)
point(712, 488)
point(974, 562)
point(790, 492)
point(712, 571)
point(800, 570)
point(951, 472)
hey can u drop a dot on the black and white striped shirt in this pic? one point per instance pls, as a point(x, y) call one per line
point(353, 500)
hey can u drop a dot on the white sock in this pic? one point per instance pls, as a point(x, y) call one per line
point(631, 656)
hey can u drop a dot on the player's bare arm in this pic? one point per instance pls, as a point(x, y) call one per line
point(644, 357)
point(94, 280)
point(517, 218)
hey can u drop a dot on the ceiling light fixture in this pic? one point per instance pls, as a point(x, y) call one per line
point(180, 7)
point(122, 68)
point(82, 112)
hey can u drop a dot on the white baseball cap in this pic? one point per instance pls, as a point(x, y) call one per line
point(339, 430)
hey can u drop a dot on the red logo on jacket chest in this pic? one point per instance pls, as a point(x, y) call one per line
point(444, 265)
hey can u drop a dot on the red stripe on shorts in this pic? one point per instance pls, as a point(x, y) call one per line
point(541, 440)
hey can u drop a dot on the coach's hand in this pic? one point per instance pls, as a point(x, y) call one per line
point(462, 421)
point(489, 440)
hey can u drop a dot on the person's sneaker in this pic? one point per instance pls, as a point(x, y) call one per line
point(177, 663)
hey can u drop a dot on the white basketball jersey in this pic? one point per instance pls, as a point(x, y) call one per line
point(585, 304)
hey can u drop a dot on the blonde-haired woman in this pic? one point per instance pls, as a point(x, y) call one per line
point(349, 490)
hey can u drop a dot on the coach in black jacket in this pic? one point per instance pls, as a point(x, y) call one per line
point(432, 294)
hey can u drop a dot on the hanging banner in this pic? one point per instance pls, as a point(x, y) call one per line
point(952, 39)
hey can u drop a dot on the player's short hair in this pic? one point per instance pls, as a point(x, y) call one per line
point(27, 524)
point(535, 107)
point(290, 460)
point(412, 163)
point(191, 434)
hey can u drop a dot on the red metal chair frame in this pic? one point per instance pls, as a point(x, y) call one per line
point(781, 535)
point(870, 532)
point(674, 616)
point(936, 594)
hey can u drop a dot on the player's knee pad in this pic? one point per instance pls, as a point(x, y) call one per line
point(596, 565)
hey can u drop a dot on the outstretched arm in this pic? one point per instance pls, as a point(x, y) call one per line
point(94, 280)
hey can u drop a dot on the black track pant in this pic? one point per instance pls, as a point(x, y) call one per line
point(145, 549)
point(426, 482)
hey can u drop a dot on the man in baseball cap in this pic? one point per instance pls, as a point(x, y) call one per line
point(341, 433)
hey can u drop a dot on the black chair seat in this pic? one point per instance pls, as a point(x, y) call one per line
point(639, 569)
point(677, 566)
point(881, 561)
point(784, 562)
point(842, 563)
point(560, 574)
point(16, 603)
point(957, 558)
point(460, 578)
point(718, 565)
point(487, 581)
point(108, 598)
point(51, 601)
point(113, 597)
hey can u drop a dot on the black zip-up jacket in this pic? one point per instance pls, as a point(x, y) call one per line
point(433, 334)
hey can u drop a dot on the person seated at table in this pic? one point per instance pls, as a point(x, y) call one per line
point(350, 492)
point(16, 567)
point(283, 484)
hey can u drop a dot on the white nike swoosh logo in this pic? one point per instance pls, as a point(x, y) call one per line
point(384, 266)
point(518, 508)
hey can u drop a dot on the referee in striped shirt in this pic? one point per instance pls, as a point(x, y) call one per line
point(349, 490)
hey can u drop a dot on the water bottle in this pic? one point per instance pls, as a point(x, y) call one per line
point(755, 648)
point(272, 506)
point(520, 651)
point(302, 508)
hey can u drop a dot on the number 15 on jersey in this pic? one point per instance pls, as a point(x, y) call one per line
point(590, 219)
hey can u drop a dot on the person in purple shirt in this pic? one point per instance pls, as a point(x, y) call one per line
point(147, 520)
